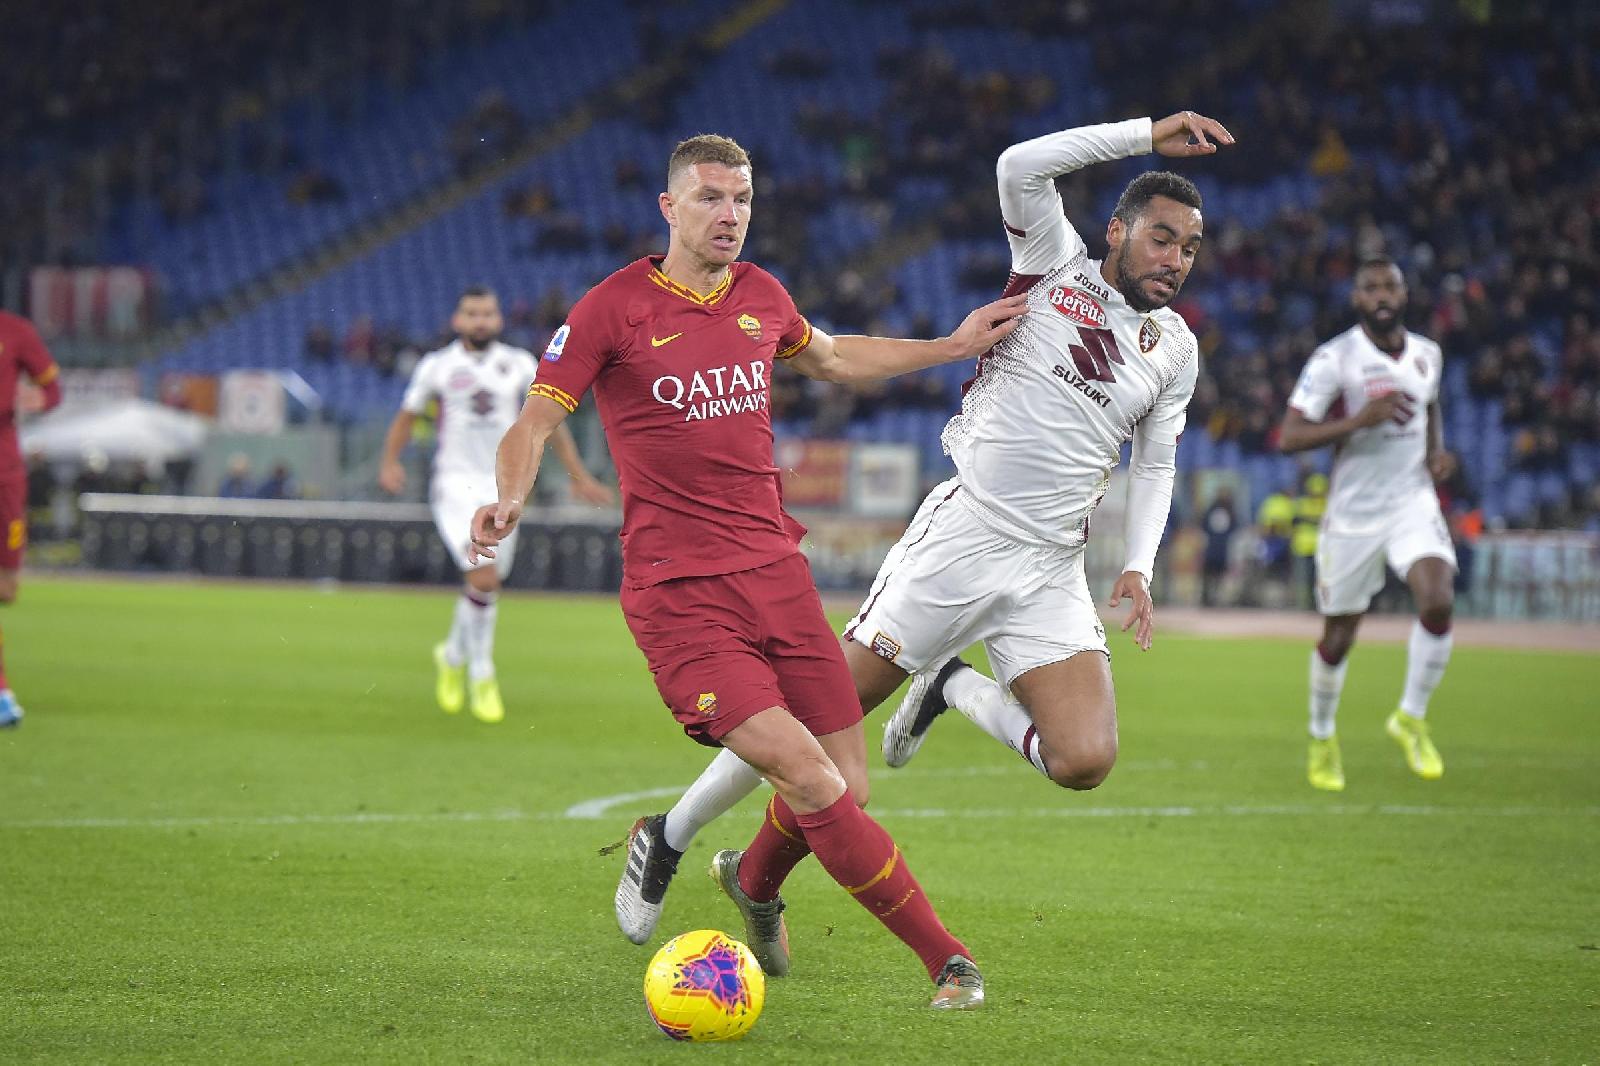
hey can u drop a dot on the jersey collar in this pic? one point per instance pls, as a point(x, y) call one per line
point(710, 299)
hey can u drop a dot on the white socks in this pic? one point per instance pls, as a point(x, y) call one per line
point(1426, 657)
point(984, 702)
point(1326, 684)
point(471, 638)
point(456, 644)
point(725, 782)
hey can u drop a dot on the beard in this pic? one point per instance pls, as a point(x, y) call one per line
point(1128, 285)
point(1379, 322)
point(479, 341)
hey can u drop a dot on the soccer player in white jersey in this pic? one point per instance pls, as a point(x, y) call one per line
point(995, 554)
point(479, 384)
point(1361, 392)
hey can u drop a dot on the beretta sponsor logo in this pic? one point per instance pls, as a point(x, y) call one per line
point(1079, 307)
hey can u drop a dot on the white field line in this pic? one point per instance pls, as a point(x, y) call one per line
point(597, 809)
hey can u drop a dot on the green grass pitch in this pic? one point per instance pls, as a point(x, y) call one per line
point(234, 828)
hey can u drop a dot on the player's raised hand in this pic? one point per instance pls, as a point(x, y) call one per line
point(1188, 134)
point(392, 477)
point(492, 523)
point(1142, 610)
point(1393, 406)
point(987, 326)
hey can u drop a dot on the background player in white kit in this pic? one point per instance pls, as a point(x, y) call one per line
point(480, 384)
point(996, 553)
point(1361, 392)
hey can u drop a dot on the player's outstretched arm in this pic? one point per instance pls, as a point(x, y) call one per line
point(1299, 434)
point(852, 359)
point(391, 473)
point(1441, 463)
point(585, 485)
point(1151, 473)
point(516, 465)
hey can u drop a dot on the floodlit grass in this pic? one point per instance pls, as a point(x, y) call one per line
point(234, 828)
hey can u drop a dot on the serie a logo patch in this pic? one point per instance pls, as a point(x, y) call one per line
point(558, 344)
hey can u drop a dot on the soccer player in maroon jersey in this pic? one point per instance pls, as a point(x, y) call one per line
point(680, 351)
point(21, 352)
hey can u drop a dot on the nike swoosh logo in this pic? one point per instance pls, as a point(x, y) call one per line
point(656, 342)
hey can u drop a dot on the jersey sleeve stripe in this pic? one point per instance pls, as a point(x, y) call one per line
point(550, 392)
point(800, 345)
point(47, 375)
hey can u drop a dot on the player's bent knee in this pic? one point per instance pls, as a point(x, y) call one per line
point(1436, 617)
point(8, 590)
point(808, 783)
point(1084, 769)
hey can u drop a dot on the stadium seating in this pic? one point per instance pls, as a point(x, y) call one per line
point(409, 284)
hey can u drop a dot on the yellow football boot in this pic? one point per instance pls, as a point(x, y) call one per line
point(450, 687)
point(486, 705)
point(1324, 768)
point(1412, 736)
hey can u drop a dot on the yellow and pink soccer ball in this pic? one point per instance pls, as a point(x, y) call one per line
point(704, 985)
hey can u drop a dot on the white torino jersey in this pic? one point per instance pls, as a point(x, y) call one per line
point(479, 394)
point(1042, 425)
point(1380, 470)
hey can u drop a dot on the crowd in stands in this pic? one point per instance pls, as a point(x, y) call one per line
point(109, 101)
point(1467, 150)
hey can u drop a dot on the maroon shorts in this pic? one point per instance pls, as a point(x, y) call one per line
point(726, 647)
point(13, 522)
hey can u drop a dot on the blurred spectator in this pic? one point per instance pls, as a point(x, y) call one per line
point(235, 483)
point(490, 132)
point(1309, 507)
point(41, 481)
point(360, 341)
point(320, 345)
point(1219, 524)
point(1275, 520)
point(279, 484)
point(314, 185)
point(534, 200)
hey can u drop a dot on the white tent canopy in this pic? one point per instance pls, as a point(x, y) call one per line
point(121, 430)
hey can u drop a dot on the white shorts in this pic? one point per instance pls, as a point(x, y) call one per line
point(1350, 566)
point(955, 579)
point(453, 506)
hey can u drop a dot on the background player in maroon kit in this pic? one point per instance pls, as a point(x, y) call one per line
point(679, 351)
point(21, 352)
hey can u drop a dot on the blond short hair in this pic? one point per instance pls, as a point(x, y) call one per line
point(705, 148)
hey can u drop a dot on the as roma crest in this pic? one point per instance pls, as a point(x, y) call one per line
point(751, 325)
point(707, 704)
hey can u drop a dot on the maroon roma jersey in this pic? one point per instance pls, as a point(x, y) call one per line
point(21, 352)
point(682, 380)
